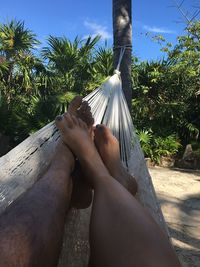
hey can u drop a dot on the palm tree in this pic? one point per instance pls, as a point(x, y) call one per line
point(104, 61)
point(15, 39)
point(26, 73)
point(71, 61)
point(122, 35)
point(17, 60)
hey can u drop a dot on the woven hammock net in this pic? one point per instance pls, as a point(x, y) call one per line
point(109, 107)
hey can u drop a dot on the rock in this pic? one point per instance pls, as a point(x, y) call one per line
point(149, 162)
point(167, 162)
point(189, 160)
point(188, 152)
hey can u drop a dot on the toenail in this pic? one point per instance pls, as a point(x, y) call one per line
point(100, 127)
point(59, 118)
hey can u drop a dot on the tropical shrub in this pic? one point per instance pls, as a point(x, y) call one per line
point(71, 62)
point(155, 147)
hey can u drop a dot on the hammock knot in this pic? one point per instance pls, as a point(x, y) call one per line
point(117, 72)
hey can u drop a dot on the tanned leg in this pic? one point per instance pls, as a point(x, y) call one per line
point(108, 148)
point(31, 229)
point(122, 233)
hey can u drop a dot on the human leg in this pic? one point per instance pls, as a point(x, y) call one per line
point(31, 229)
point(122, 233)
point(108, 148)
point(142, 232)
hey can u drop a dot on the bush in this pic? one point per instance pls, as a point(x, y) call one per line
point(27, 114)
point(155, 147)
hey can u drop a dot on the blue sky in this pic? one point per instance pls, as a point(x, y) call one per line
point(83, 18)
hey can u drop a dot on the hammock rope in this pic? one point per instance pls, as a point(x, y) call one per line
point(109, 107)
point(122, 51)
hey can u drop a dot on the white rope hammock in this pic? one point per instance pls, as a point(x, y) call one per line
point(109, 107)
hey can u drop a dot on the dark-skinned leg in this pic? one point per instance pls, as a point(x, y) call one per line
point(122, 233)
point(31, 229)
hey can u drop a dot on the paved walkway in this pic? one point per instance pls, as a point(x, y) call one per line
point(179, 194)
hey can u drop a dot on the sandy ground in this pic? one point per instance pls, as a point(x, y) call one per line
point(178, 192)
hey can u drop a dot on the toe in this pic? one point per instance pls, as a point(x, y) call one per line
point(103, 135)
point(102, 130)
point(60, 122)
point(68, 120)
point(90, 120)
point(85, 114)
point(74, 120)
point(82, 124)
point(85, 107)
point(59, 118)
point(75, 104)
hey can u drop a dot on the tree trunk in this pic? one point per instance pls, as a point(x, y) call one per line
point(122, 36)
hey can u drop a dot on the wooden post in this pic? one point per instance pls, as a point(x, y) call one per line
point(122, 35)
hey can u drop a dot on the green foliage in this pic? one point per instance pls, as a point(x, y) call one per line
point(15, 38)
point(25, 115)
point(167, 146)
point(34, 89)
point(145, 137)
point(104, 62)
point(71, 61)
point(166, 99)
point(17, 62)
point(155, 147)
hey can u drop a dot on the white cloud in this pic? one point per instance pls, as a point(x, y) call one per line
point(37, 46)
point(97, 29)
point(157, 29)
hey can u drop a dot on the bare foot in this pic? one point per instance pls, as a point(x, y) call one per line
point(76, 136)
point(108, 148)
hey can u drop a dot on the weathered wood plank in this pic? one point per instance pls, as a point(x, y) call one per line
point(23, 166)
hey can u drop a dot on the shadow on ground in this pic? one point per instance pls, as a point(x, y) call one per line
point(178, 192)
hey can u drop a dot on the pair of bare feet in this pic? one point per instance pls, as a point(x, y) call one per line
point(96, 149)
